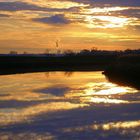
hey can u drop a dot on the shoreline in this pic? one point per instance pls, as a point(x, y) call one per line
point(25, 64)
point(120, 70)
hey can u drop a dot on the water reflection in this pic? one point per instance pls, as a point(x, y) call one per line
point(107, 126)
point(122, 130)
point(27, 135)
point(32, 99)
point(102, 92)
point(104, 100)
point(10, 116)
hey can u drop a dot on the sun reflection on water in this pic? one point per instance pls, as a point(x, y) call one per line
point(104, 100)
point(107, 89)
point(102, 92)
point(106, 126)
point(36, 94)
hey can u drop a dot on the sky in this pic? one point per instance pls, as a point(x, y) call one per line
point(36, 25)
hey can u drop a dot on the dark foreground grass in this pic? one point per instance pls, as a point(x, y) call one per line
point(126, 71)
point(23, 64)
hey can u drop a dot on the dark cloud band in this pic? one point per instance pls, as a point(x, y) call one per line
point(56, 19)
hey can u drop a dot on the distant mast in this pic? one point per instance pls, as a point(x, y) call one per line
point(57, 47)
point(57, 44)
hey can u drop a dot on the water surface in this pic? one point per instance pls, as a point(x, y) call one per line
point(66, 105)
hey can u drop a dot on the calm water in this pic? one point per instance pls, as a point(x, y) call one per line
point(67, 106)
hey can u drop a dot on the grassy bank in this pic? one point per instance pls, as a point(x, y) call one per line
point(22, 64)
point(126, 71)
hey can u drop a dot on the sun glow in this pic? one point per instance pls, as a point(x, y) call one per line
point(103, 10)
point(106, 21)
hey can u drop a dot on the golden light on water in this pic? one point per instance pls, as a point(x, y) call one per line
point(39, 94)
point(106, 126)
point(118, 125)
point(106, 100)
point(107, 95)
point(27, 135)
point(12, 116)
point(102, 92)
point(107, 89)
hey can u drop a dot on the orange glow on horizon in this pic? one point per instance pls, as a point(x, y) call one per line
point(106, 28)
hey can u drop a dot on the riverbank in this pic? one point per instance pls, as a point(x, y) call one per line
point(123, 70)
point(126, 71)
point(25, 64)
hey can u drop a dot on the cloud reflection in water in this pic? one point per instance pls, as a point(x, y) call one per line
point(69, 99)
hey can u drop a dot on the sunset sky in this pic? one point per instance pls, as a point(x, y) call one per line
point(35, 25)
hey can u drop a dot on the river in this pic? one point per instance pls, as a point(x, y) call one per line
point(67, 106)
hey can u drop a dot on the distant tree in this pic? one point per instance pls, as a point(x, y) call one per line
point(25, 52)
point(47, 51)
point(94, 49)
point(13, 52)
point(85, 52)
point(68, 52)
point(128, 50)
point(58, 51)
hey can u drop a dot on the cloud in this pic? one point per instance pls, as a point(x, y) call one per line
point(17, 6)
point(102, 3)
point(56, 19)
point(20, 6)
point(59, 4)
point(135, 12)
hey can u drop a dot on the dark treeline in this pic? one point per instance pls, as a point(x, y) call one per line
point(93, 51)
point(102, 52)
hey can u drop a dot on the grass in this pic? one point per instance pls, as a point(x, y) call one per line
point(22, 64)
point(126, 71)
